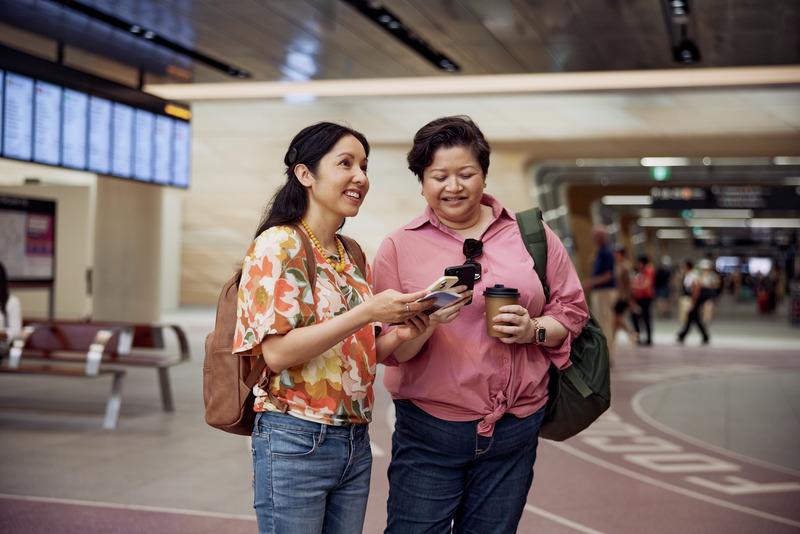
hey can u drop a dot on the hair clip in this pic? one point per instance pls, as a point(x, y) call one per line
point(291, 157)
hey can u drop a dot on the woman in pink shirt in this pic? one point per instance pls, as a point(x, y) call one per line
point(468, 406)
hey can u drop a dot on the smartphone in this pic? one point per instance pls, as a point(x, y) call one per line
point(443, 282)
point(465, 274)
point(442, 299)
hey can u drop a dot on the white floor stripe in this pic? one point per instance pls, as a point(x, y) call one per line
point(136, 507)
point(560, 520)
point(675, 489)
point(636, 404)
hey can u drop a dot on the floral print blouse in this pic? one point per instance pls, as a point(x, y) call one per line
point(334, 388)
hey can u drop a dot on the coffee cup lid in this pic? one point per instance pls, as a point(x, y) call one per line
point(499, 290)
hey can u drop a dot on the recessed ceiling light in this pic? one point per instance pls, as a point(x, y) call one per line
point(627, 200)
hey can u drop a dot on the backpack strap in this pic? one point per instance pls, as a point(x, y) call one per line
point(311, 259)
point(533, 235)
point(356, 254)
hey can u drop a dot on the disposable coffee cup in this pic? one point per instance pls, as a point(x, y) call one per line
point(496, 297)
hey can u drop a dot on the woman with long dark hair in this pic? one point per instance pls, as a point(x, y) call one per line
point(311, 452)
point(10, 309)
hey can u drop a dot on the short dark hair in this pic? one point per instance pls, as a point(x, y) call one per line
point(447, 132)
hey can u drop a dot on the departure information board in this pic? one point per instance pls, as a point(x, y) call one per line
point(2, 91)
point(122, 140)
point(164, 134)
point(17, 116)
point(182, 149)
point(75, 129)
point(99, 135)
point(47, 123)
point(54, 125)
point(143, 151)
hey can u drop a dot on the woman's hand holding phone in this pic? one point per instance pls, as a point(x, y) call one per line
point(392, 307)
point(451, 312)
point(413, 327)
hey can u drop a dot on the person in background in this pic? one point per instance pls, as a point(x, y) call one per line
point(310, 446)
point(622, 278)
point(468, 406)
point(686, 275)
point(602, 287)
point(10, 309)
point(699, 296)
point(711, 284)
point(662, 287)
point(643, 289)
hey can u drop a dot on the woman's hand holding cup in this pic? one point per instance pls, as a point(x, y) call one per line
point(514, 322)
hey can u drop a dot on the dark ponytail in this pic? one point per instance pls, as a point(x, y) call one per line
point(308, 147)
point(3, 291)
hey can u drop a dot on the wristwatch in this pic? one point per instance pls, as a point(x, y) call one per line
point(539, 332)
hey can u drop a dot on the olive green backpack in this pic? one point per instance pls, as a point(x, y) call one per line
point(579, 394)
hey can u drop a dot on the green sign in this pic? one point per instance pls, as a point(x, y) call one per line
point(659, 174)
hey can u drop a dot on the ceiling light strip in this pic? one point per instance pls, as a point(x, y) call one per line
point(627, 200)
point(491, 84)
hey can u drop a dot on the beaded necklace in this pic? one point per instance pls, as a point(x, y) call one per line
point(339, 267)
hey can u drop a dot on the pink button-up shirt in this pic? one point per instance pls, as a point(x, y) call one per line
point(462, 374)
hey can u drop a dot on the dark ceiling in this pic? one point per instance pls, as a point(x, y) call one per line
point(330, 39)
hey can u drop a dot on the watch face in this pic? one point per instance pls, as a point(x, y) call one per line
point(540, 333)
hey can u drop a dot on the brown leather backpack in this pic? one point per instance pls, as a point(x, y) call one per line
point(228, 378)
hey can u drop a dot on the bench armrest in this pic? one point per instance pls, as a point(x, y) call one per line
point(95, 353)
point(17, 346)
point(183, 343)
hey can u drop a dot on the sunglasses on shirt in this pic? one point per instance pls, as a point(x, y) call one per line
point(473, 248)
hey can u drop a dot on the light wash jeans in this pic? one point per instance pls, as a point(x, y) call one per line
point(309, 478)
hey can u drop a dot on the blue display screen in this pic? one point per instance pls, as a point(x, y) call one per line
point(54, 125)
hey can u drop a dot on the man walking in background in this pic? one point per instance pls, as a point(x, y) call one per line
point(602, 287)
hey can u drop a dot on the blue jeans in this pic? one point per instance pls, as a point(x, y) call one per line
point(443, 472)
point(308, 477)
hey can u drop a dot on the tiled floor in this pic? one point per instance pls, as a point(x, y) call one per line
point(741, 395)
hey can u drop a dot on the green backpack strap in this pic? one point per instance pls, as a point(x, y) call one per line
point(533, 235)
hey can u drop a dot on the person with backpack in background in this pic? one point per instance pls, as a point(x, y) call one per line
point(686, 276)
point(470, 403)
point(702, 286)
point(317, 333)
point(643, 288)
